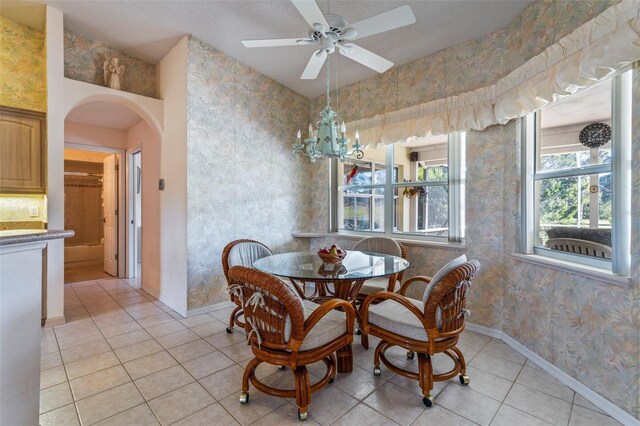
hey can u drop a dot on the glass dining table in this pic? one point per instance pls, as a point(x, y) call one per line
point(342, 281)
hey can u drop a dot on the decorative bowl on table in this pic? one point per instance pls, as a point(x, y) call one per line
point(331, 270)
point(332, 255)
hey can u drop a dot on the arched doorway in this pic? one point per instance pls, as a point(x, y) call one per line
point(109, 133)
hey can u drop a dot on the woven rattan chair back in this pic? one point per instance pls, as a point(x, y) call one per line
point(240, 252)
point(261, 250)
point(383, 245)
point(273, 312)
point(446, 306)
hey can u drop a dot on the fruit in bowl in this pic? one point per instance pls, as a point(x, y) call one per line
point(333, 254)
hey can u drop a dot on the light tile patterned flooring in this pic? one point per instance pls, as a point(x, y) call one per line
point(124, 358)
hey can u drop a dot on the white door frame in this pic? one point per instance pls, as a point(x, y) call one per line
point(130, 212)
point(120, 153)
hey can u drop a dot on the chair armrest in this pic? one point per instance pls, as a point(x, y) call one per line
point(410, 281)
point(324, 309)
point(387, 295)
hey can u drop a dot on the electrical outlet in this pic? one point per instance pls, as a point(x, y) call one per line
point(33, 211)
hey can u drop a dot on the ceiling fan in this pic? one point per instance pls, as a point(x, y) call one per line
point(331, 32)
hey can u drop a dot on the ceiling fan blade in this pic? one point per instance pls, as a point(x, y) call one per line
point(311, 13)
point(315, 65)
point(386, 21)
point(365, 57)
point(272, 42)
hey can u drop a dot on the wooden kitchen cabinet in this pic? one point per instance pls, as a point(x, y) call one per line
point(22, 151)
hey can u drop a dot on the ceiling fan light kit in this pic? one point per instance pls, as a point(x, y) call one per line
point(325, 142)
point(333, 32)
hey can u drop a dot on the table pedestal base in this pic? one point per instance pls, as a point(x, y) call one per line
point(345, 359)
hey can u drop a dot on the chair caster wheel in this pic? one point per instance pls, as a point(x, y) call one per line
point(377, 371)
point(411, 355)
point(358, 332)
point(244, 398)
point(302, 415)
point(464, 379)
point(333, 379)
point(229, 330)
point(283, 367)
point(428, 400)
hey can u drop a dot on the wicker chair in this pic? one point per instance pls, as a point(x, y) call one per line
point(285, 330)
point(242, 253)
point(383, 245)
point(425, 327)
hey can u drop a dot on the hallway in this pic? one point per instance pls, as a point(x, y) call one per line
point(77, 274)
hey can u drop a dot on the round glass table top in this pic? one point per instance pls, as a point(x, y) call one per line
point(309, 266)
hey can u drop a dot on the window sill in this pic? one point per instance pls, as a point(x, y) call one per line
point(573, 268)
point(405, 241)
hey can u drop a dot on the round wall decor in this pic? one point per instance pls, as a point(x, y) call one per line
point(595, 135)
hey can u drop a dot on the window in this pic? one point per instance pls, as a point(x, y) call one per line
point(411, 189)
point(575, 195)
point(363, 205)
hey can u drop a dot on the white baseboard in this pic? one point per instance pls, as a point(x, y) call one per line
point(485, 331)
point(595, 398)
point(53, 321)
point(170, 303)
point(209, 308)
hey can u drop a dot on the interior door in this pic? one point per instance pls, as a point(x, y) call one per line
point(110, 202)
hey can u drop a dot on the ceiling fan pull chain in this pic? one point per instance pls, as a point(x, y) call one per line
point(328, 78)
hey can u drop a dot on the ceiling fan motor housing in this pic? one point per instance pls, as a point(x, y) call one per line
point(337, 25)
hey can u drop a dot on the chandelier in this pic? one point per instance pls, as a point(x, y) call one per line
point(324, 142)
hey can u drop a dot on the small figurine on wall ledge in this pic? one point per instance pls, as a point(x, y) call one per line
point(113, 73)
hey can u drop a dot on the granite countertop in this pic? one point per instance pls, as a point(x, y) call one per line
point(19, 236)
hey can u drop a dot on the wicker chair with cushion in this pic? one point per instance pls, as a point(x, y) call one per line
point(285, 330)
point(382, 245)
point(425, 327)
point(242, 253)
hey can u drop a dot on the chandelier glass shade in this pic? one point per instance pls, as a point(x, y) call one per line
point(325, 142)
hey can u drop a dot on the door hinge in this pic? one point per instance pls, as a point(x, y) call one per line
point(116, 257)
point(117, 166)
point(116, 212)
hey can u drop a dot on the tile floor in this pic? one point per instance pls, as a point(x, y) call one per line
point(125, 358)
point(74, 274)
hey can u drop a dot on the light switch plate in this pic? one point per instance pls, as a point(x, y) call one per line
point(33, 211)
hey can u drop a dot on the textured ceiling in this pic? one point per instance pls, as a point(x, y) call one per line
point(149, 29)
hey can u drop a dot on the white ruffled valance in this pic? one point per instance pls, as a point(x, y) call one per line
point(591, 53)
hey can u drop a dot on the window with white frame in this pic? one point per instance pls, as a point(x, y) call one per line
point(576, 177)
point(407, 189)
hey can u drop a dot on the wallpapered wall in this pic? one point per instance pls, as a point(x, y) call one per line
point(85, 56)
point(587, 328)
point(242, 180)
point(22, 66)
